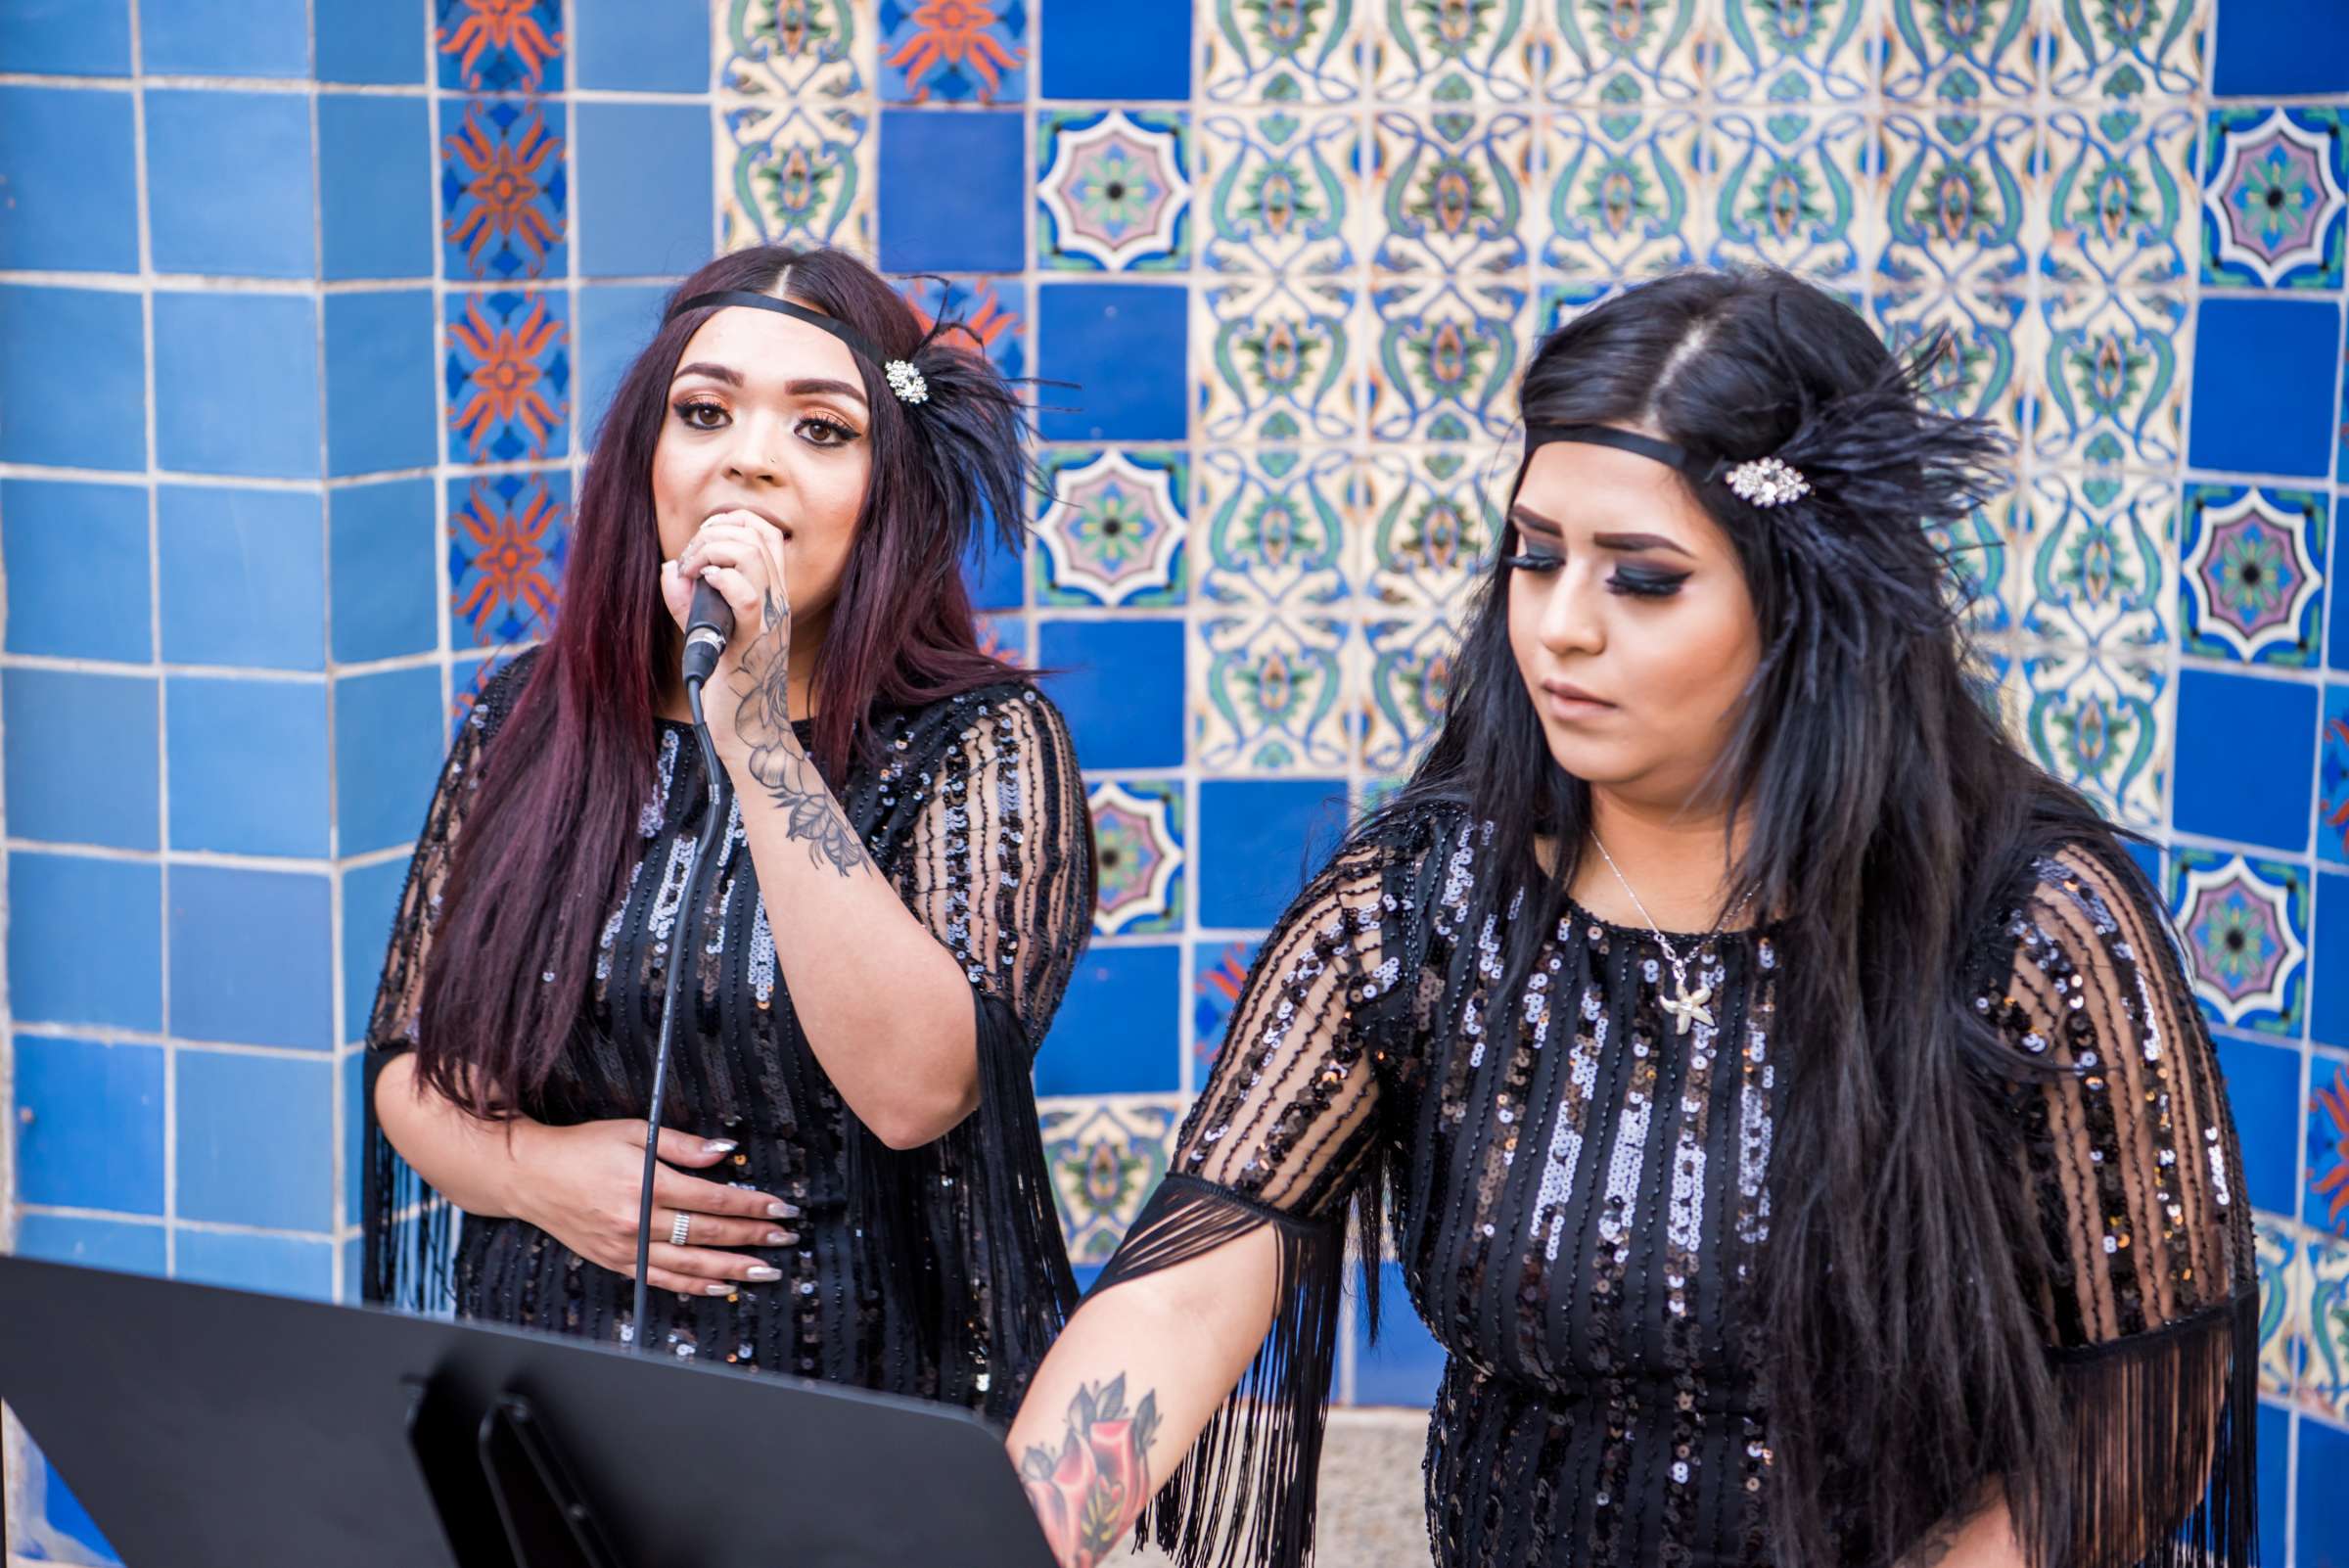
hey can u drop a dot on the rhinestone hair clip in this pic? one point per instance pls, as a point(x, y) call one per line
point(1766, 481)
point(906, 381)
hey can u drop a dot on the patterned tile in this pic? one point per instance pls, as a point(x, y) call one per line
point(1791, 192)
point(2120, 197)
point(2108, 387)
point(1105, 1154)
point(505, 190)
point(1623, 192)
point(1444, 363)
point(509, 375)
point(795, 173)
point(1113, 191)
point(1821, 51)
point(2246, 927)
point(1628, 51)
point(2102, 726)
point(1280, 52)
point(1982, 567)
point(1980, 343)
point(1138, 852)
point(1958, 208)
point(2326, 1205)
point(1281, 192)
point(1220, 973)
point(2274, 208)
point(1411, 663)
point(1281, 361)
point(805, 51)
point(499, 46)
point(1270, 694)
point(2332, 779)
point(1451, 51)
point(988, 313)
point(1113, 532)
point(2251, 574)
point(508, 534)
point(2095, 554)
point(2324, 1328)
point(1963, 54)
point(952, 51)
point(2282, 1308)
point(1425, 527)
point(2108, 52)
point(1450, 189)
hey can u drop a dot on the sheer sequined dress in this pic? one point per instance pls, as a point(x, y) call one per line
point(937, 1271)
point(1580, 1210)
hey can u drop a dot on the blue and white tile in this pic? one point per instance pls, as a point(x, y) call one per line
point(1488, 50)
point(2102, 726)
point(2120, 197)
point(1278, 191)
point(2108, 385)
point(2275, 210)
point(1452, 192)
point(1106, 1154)
point(2246, 927)
point(2119, 53)
point(1277, 52)
point(1282, 360)
point(1960, 56)
point(2095, 561)
point(1641, 51)
point(1622, 193)
point(1821, 53)
point(1113, 191)
point(1795, 192)
point(2251, 574)
point(1444, 359)
point(1113, 532)
point(1138, 856)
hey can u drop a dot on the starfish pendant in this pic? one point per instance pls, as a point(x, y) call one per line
point(1689, 1007)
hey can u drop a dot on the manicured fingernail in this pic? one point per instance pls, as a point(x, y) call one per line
point(718, 1147)
point(782, 1211)
point(762, 1271)
point(720, 1290)
point(778, 1238)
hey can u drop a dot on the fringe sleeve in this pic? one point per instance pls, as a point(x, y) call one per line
point(409, 1229)
point(2144, 1260)
point(1285, 1135)
point(1000, 866)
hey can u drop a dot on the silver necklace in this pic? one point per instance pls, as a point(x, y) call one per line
point(1685, 1006)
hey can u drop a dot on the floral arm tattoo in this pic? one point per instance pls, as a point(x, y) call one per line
point(763, 720)
point(1086, 1495)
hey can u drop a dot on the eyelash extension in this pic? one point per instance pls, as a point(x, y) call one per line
point(1530, 562)
point(686, 407)
point(1646, 585)
point(842, 434)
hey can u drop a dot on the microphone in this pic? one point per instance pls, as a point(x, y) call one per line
point(709, 628)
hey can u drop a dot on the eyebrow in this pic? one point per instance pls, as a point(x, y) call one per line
point(805, 387)
point(1527, 518)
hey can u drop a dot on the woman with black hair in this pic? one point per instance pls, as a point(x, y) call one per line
point(1785, 1100)
point(852, 1185)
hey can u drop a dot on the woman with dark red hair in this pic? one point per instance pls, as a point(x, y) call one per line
point(850, 1182)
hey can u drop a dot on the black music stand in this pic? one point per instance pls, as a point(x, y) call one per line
point(208, 1428)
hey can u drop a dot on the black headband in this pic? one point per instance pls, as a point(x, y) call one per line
point(767, 301)
point(1697, 469)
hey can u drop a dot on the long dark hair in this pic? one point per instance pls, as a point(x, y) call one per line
point(544, 846)
point(1888, 813)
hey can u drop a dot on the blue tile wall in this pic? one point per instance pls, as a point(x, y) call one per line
point(317, 399)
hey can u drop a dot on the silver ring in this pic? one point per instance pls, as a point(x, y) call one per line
point(681, 1230)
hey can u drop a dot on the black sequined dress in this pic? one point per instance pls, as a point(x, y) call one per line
point(1580, 1203)
point(937, 1271)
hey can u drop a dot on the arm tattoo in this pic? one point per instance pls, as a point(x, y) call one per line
point(1936, 1545)
point(1086, 1495)
point(763, 720)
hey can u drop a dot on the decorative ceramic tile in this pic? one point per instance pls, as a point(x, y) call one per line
point(1976, 344)
point(1451, 191)
point(2273, 208)
point(1425, 527)
point(1958, 55)
point(1269, 693)
point(1622, 52)
point(505, 190)
point(1280, 192)
point(1451, 51)
point(1281, 52)
point(1105, 1156)
point(2095, 558)
point(2100, 725)
point(508, 534)
point(2109, 385)
point(1443, 364)
point(1274, 529)
point(1957, 208)
point(1220, 973)
point(2327, 1206)
point(1113, 532)
point(952, 51)
point(2121, 197)
point(1980, 568)
point(1820, 52)
point(1411, 663)
point(1138, 856)
point(2251, 574)
point(987, 313)
point(499, 46)
point(509, 375)
point(1113, 191)
point(1792, 192)
point(2245, 926)
point(2107, 52)
point(2283, 1297)
point(794, 174)
point(792, 51)
point(2325, 1356)
point(1281, 361)
point(2332, 779)
point(1624, 197)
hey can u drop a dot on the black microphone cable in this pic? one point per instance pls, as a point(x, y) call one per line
point(708, 629)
